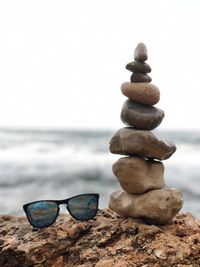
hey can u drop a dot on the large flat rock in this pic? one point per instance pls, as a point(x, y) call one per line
point(109, 241)
point(129, 141)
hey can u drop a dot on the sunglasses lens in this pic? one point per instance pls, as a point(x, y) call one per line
point(83, 207)
point(42, 213)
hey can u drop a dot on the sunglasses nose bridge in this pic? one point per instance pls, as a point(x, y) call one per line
point(62, 203)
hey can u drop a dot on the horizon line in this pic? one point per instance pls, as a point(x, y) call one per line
point(69, 128)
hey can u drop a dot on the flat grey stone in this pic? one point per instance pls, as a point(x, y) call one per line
point(133, 142)
point(137, 77)
point(138, 66)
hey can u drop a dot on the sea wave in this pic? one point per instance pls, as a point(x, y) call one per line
point(36, 164)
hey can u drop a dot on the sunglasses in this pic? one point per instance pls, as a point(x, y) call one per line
point(44, 213)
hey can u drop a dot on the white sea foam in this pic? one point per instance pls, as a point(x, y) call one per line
point(57, 164)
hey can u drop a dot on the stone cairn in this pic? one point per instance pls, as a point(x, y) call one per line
point(141, 172)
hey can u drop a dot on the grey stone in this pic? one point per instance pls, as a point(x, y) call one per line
point(129, 141)
point(155, 206)
point(140, 53)
point(137, 77)
point(141, 116)
point(138, 66)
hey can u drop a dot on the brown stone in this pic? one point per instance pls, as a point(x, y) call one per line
point(140, 53)
point(156, 206)
point(137, 175)
point(144, 93)
point(141, 116)
point(129, 141)
point(110, 240)
point(138, 66)
point(137, 77)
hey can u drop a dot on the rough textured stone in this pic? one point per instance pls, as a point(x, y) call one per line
point(137, 175)
point(140, 53)
point(144, 93)
point(138, 66)
point(111, 240)
point(156, 206)
point(141, 116)
point(129, 141)
point(140, 78)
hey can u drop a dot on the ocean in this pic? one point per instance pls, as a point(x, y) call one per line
point(57, 164)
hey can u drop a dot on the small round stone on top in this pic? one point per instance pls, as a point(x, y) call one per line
point(141, 52)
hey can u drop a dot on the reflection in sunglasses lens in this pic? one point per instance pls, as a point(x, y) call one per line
point(42, 213)
point(83, 207)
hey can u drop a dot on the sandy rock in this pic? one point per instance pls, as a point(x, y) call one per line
point(140, 78)
point(141, 116)
point(129, 141)
point(137, 175)
point(110, 240)
point(138, 66)
point(156, 206)
point(144, 93)
point(140, 53)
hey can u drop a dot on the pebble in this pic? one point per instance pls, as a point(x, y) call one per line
point(137, 175)
point(140, 53)
point(144, 93)
point(155, 206)
point(141, 116)
point(137, 77)
point(129, 141)
point(138, 66)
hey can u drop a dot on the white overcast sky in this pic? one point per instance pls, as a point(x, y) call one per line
point(62, 62)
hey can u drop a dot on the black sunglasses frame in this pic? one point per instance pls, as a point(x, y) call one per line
point(60, 202)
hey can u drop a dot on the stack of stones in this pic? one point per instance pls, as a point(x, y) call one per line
point(141, 172)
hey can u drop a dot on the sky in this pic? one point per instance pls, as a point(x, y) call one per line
point(62, 62)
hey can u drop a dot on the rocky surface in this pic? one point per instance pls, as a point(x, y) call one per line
point(144, 93)
point(110, 241)
point(129, 141)
point(155, 206)
point(141, 116)
point(137, 175)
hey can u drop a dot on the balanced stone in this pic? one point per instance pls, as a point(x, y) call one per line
point(138, 66)
point(141, 52)
point(155, 206)
point(129, 141)
point(140, 77)
point(141, 116)
point(137, 175)
point(144, 93)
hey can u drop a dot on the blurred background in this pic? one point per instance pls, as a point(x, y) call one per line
point(61, 67)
